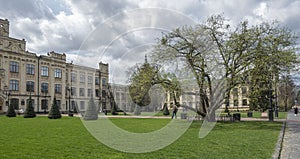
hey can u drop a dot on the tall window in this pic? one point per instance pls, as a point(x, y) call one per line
point(58, 102)
point(97, 92)
point(103, 82)
point(13, 85)
point(82, 106)
point(89, 92)
point(44, 88)
point(58, 88)
point(90, 79)
point(97, 80)
point(81, 91)
point(73, 91)
point(244, 90)
point(14, 66)
point(57, 73)
point(82, 78)
point(30, 86)
point(45, 71)
point(30, 69)
point(44, 104)
point(73, 77)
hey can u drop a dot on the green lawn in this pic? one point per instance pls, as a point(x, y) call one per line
point(67, 138)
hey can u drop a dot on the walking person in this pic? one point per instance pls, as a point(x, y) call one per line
point(296, 110)
point(175, 109)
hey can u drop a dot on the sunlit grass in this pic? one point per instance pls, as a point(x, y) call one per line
point(67, 138)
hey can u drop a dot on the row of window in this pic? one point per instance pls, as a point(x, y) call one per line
point(14, 86)
point(30, 69)
point(44, 104)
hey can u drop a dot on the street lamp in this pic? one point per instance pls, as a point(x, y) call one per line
point(7, 93)
point(271, 117)
point(69, 90)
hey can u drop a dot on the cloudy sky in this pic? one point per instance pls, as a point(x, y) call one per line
point(120, 32)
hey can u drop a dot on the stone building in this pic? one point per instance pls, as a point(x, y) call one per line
point(23, 73)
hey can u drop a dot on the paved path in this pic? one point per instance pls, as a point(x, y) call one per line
point(291, 140)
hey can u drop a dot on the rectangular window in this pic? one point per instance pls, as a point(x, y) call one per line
point(82, 106)
point(73, 77)
point(58, 102)
point(45, 71)
point(244, 90)
point(97, 80)
point(89, 92)
point(14, 67)
point(81, 91)
point(90, 79)
point(73, 91)
point(30, 86)
point(97, 92)
point(30, 69)
point(82, 78)
point(235, 92)
point(44, 88)
point(13, 85)
point(44, 104)
point(245, 102)
point(57, 73)
point(236, 102)
point(103, 82)
point(58, 88)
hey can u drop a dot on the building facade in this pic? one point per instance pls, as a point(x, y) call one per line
point(23, 73)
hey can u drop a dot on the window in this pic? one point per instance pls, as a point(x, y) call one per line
point(44, 104)
point(32, 102)
point(73, 91)
point(81, 91)
point(44, 88)
point(97, 81)
point(244, 90)
point(73, 77)
point(89, 92)
point(58, 102)
point(44, 71)
point(235, 92)
point(30, 69)
point(73, 105)
point(58, 88)
point(82, 78)
point(90, 79)
point(103, 93)
point(57, 73)
point(15, 103)
point(97, 92)
point(13, 85)
point(103, 82)
point(236, 102)
point(245, 102)
point(30, 86)
point(82, 106)
point(14, 66)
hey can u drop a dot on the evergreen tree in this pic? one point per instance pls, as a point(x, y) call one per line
point(166, 110)
point(54, 112)
point(29, 112)
point(11, 112)
point(91, 112)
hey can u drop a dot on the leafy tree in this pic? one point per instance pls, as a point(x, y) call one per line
point(11, 112)
point(91, 112)
point(137, 110)
point(54, 112)
point(29, 111)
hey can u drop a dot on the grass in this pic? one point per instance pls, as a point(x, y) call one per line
point(67, 138)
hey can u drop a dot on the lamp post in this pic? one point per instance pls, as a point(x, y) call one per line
point(271, 117)
point(7, 93)
point(69, 98)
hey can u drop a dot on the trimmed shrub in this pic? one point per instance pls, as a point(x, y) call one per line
point(11, 112)
point(166, 110)
point(29, 111)
point(91, 112)
point(54, 112)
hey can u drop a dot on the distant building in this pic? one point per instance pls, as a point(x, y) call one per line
point(23, 73)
